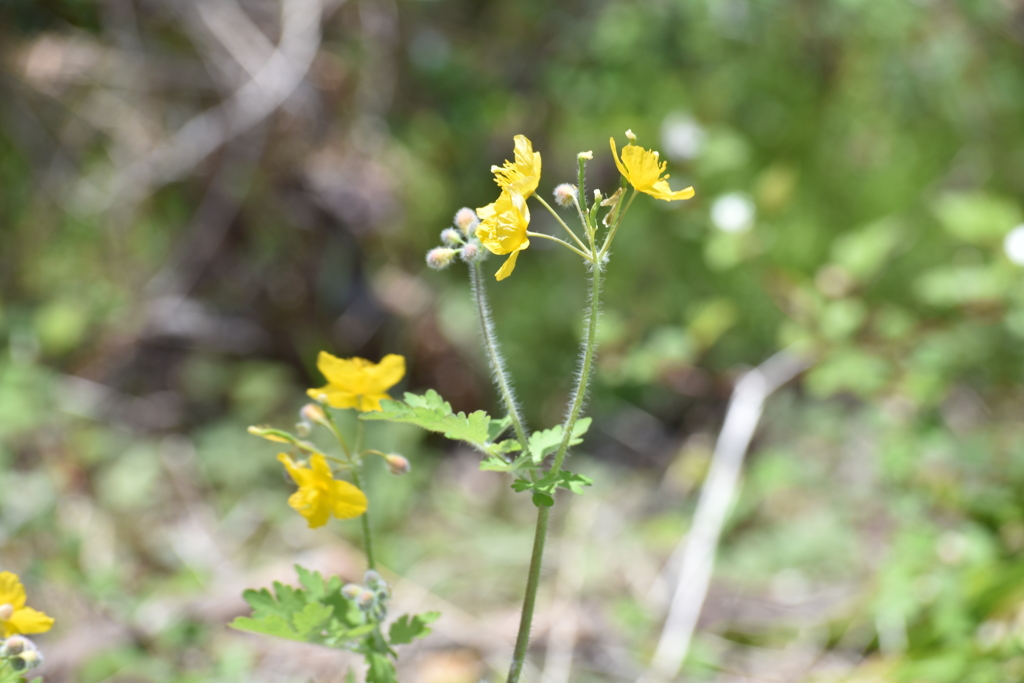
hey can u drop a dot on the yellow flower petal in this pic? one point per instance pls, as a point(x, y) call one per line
point(523, 175)
point(27, 620)
point(643, 169)
point(507, 267)
point(320, 495)
point(347, 501)
point(351, 379)
point(11, 591)
point(504, 230)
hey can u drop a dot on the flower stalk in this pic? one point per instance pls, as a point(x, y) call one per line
point(497, 361)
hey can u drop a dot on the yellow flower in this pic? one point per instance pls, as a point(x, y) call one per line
point(502, 229)
point(356, 382)
point(642, 168)
point(14, 616)
point(522, 175)
point(320, 495)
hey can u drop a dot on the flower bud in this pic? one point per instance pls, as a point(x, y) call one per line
point(585, 155)
point(6, 612)
point(29, 659)
point(15, 645)
point(365, 599)
point(472, 253)
point(271, 434)
point(631, 135)
point(440, 257)
point(451, 237)
point(466, 220)
point(565, 195)
point(351, 590)
point(373, 579)
point(597, 197)
point(397, 464)
point(313, 413)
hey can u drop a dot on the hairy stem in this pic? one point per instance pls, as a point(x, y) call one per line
point(497, 361)
point(587, 349)
point(357, 468)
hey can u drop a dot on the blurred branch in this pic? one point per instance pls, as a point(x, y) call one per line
point(716, 499)
point(268, 88)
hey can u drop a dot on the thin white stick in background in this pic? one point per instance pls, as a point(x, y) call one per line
point(716, 499)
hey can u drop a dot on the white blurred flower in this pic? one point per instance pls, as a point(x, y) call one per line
point(733, 212)
point(681, 136)
point(1013, 245)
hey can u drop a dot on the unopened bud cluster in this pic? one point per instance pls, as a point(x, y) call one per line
point(371, 596)
point(19, 653)
point(459, 241)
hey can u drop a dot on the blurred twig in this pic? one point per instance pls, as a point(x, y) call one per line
point(268, 88)
point(717, 495)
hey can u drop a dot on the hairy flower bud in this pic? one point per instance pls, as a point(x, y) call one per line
point(351, 590)
point(585, 155)
point(29, 659)
point(397, 464)
point(365, 599)
point(440, 257)
point(6, 612)
point(472, 253)
point(15, 645)
point(451, 237)
point(373, 579)
point(565, 195)
point(466, 220)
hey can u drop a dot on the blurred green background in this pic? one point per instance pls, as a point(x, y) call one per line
point(197, 197)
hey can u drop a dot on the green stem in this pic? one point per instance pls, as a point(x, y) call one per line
point(562, 242)
point(618, 222)
point(560, 221)
point(356, 469)
point(587, 350)
point(497, 361)
point(530, 599)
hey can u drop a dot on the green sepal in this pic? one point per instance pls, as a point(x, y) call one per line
point(406, 629)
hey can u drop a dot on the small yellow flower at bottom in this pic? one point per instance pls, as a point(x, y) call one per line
point(356, 382)
point(14, 616)
point(320, 495)
point(502, 229)
point(643, 169)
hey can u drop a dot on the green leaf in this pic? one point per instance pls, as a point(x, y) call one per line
point(406, 628)
point(573, 482)
point(379, 668)
point(498, 427)
point(543, 500)
point(311, 620)
point(434, 414)
point(546, 441)
point(495, 464)
point(544, 489)
point(271, 625)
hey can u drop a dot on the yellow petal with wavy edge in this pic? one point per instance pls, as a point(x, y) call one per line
point(507, 267)
point(11, 591)
point(357, 382)
point(27, 620)
point(522, 175)
point(320, 495)
point(643, 169)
